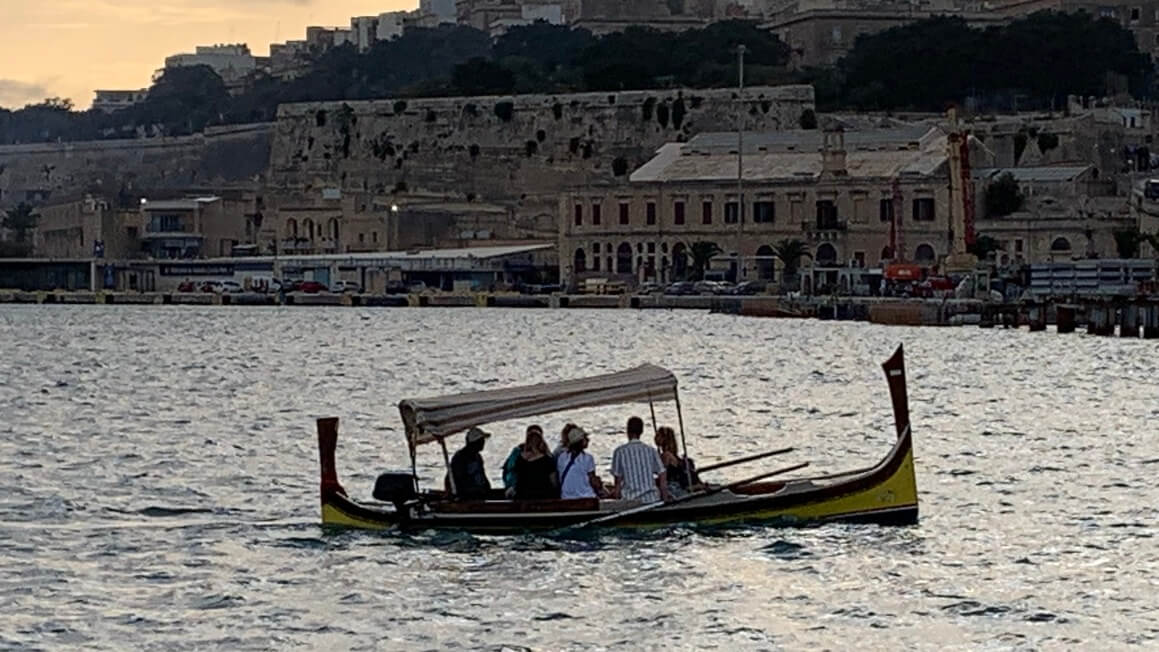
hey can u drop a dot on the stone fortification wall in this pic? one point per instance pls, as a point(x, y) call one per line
point(220, 158)
point(519, 151)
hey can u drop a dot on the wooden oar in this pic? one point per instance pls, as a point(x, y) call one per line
point(700, 494)
point(742, 460)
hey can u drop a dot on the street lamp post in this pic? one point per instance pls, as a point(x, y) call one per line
point(740, 50)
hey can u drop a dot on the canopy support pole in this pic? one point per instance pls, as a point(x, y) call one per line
point(683, 442)
point(447, 460)
point(652, 407)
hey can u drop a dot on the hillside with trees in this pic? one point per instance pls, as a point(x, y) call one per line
point(1029, 63)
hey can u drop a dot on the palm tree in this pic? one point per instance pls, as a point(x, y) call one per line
point(702, 253)
point(20, 221)
point(789, 252)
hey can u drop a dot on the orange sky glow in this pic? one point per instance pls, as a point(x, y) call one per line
point(69, 48)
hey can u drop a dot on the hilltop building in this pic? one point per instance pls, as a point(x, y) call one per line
point(233, 63)
point(109, 101)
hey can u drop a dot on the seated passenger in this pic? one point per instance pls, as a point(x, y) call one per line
point(639, 473)
point(535, 474)
point(562, 440)
point(509, 465)
point(678, 480)
point(467, 470)
point(577, 469)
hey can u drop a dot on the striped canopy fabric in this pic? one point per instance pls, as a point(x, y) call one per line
point(429, 419)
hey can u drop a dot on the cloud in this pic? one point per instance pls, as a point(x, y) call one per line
point(18, 93)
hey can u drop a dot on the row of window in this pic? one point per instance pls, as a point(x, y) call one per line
point(763, 212)
point(618, 259)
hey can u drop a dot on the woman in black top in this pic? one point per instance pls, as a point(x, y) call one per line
point(535, 476)
point(674, 465)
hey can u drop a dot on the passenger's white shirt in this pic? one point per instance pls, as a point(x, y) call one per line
point(576, 484)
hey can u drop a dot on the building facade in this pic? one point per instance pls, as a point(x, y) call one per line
point(233, 63)
point(835, 192)
point(109, 101)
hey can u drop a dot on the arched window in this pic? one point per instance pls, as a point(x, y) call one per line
point(580, 264)
point(924, 254)
point(333, 228)
point(292, 227)
point(886, 253)
point(308, 229)
point(679, 261)
point(765, 263)
point(826, 255)
point(624, 259)
point(1060, 244)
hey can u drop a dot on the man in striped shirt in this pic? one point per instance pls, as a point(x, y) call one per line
point(639, 473)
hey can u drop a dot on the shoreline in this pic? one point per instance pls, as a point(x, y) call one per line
point(1098, 315)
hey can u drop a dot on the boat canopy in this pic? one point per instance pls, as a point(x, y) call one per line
point(430, 419)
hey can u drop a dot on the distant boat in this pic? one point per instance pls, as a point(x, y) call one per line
point(885, 493)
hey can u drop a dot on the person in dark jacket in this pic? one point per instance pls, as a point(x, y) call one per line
point(535, 472)
point(467, 470)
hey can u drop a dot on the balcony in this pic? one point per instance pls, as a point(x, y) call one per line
point(824, 228)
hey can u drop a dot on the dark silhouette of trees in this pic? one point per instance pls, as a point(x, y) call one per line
point(1003, 196)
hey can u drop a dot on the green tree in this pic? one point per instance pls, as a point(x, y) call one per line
point(983, 246)
point(790, 251)
point(184, 100)
point(702, 253)
point(20, 221)
point(479, 76)
point(1127, 242)
point(1003, 196)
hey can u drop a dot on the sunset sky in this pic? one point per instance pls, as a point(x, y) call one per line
point(68, 48)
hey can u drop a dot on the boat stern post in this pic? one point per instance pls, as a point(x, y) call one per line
point(327, 443)
point(906, 477)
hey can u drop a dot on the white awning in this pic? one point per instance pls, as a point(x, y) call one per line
point(428, 419)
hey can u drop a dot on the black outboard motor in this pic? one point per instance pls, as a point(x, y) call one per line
point(397, 488)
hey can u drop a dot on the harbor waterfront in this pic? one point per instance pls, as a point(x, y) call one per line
point(1133, 316)
point(159, 473)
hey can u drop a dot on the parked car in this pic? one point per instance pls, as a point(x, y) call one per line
point(396, 287)
point(340, 287)
point(231, 287)
point(310, 287)
point(679, 288)
point(750, 288)
point(649, 288)
point(417, 287)
point(187, 286)
point(210, 286)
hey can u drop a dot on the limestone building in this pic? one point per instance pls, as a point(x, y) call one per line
point(836, 192)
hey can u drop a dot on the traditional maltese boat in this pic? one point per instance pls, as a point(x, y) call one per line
point(885, 493)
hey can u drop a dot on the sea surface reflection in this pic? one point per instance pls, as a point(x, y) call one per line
point(158, 485)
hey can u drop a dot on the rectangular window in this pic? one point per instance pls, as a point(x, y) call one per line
point(579, 214)
point(885, 210)
point(361, 238)
point(1018, 246)
point(924, 209)
point(706, 213)
point(650, 212)
point(764, 212)
point(678, 212)
point(623, 213)
point(374, 236)
point(1135, 12)
point(596, 262)
point(596, 248)
point(859, 259)
point(826, 214)
point(731, 212)
point(596, 214)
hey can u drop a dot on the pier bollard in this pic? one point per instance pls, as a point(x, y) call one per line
point(1036, 316)
point(1129, 320)
point(1065, 317)
point(1100, 321)
point(1150, 321)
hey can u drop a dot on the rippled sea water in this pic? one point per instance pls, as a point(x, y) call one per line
point(158, 485)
